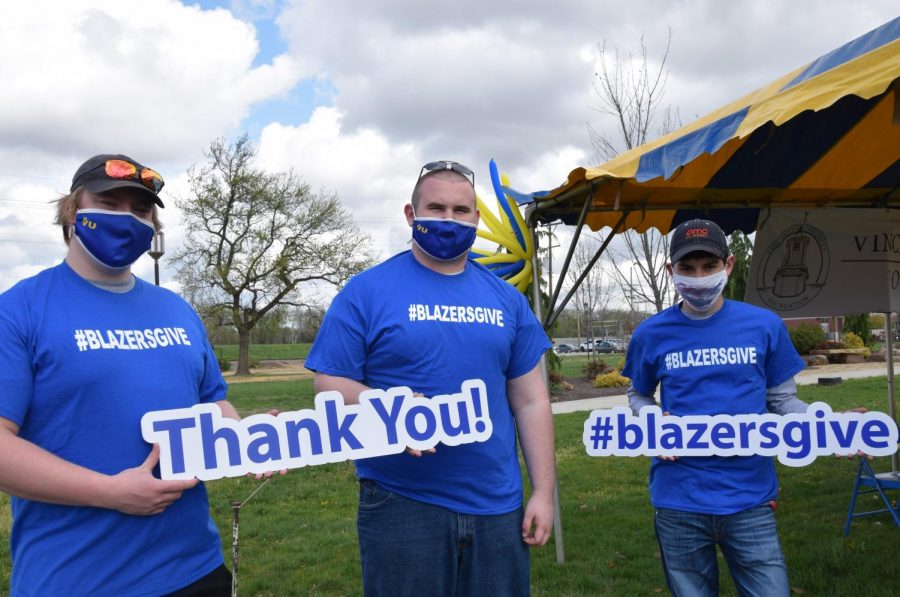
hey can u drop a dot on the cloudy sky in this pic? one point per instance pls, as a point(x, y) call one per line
point(355, 95)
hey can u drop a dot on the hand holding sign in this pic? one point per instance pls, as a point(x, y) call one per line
point(418, 453)
point(136, 491)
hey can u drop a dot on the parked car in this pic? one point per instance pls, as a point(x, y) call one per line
point(563, 348)
point(600, 346)
point(618, 345)
point(604, 347)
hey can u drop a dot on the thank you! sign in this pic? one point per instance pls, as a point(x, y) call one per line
point(826, 262)
point(199, 442)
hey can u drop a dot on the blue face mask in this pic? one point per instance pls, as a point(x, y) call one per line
point(444, 240)
point(114, 238)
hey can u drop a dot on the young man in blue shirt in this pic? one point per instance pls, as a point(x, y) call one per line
point(701, 502)
point(450, 521)
point(86, 349)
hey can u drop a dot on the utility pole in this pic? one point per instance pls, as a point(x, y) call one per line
point(157, 250)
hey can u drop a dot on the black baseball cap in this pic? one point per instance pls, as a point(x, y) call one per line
point(108, 171)
point(698, 235)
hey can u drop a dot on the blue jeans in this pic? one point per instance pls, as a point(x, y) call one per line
point(749, 543)
point(412, 548)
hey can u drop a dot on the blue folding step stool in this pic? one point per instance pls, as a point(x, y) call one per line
point(879, 483)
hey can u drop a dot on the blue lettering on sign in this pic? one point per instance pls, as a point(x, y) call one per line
point(795, 439)
point(199, 442)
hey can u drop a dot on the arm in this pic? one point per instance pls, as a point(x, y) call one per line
point(530, 405)
point(637, 401)
point(350, 389)
point(782, 399)
point(30, 472)
point(230, 411)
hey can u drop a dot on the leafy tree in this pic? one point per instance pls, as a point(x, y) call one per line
point(740, 246)
point(256, 239)
point(859, 325)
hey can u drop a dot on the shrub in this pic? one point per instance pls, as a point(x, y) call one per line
point(594, 368)
point(556, 380)
point(224, 364)
point(553, 360)
point(806, 337)
point(851, 340)
point(830, 345)
point(860, 326)
point(614, 379)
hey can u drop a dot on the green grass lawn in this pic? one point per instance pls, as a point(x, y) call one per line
point(265, 352)
point(298, 534)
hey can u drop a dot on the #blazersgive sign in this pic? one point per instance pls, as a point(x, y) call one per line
point(199, 442)
point(795, 439)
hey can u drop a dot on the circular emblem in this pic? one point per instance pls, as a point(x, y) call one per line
point(793, 268)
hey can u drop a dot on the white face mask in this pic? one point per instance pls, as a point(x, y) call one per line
point(700, 293)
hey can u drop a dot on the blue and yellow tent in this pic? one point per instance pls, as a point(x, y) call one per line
point(826, 134)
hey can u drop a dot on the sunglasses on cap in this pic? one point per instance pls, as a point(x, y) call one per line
point(124, 170)
point(448, 165)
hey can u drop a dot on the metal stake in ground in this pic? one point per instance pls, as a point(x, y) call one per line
point(235, 513)
point(235, 555)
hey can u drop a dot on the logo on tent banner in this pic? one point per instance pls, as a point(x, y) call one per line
point(794, 268)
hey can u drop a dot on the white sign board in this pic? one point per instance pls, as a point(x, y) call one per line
point(795, 439)
point(199, 442)
point(820, 262)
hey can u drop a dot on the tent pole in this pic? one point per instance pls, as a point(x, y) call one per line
point(587, 269)
point(565, 268)
point(889, 357)
point(536, 299)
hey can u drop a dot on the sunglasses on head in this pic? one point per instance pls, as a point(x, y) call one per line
point(448, 165)
point(121, 169)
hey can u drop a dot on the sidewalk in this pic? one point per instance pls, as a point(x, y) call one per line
point(808, 376)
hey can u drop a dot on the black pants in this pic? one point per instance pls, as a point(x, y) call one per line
point(215, 584)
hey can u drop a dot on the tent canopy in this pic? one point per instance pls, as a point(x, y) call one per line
point(824, 135)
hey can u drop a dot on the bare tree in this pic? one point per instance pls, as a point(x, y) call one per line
point(255, 239)
point(631, 91)
point(593, 295)
point(640, 269)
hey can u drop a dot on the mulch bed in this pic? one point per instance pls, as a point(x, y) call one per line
point(582, 388)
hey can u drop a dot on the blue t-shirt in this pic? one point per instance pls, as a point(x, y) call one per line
point(402, 324)
point(719, 365)
point(79, 367)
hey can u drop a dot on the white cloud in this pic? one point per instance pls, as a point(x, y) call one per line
point(155, 78)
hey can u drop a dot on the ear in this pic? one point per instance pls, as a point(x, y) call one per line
point(669, 269)
point(408, 212)
point(729, 264)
